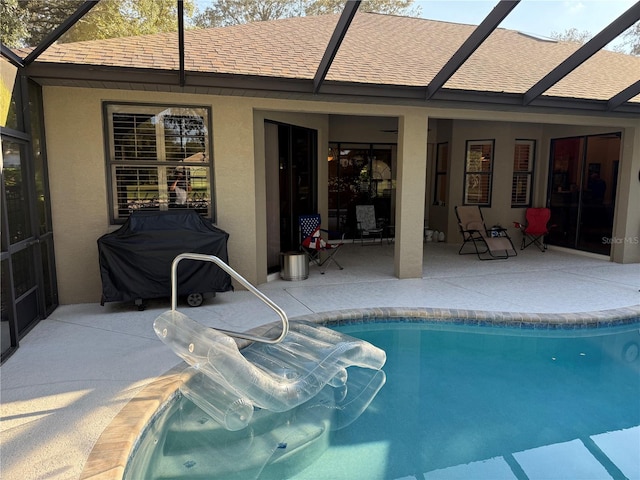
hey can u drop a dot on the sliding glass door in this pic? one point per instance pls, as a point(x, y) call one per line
point(582, 191)
point(291, 178)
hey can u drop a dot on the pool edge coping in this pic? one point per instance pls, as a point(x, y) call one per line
point(111, 452)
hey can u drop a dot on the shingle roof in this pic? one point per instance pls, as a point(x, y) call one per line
point(377, 49)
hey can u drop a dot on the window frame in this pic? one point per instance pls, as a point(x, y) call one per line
point(161, 163)
point(487, 145)
point(529, 173)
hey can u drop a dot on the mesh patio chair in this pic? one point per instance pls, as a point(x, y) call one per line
point(488, 244)
point(535, 228)
point(319, 251)
point(367, 225)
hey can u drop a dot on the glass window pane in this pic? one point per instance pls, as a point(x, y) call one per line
point(119, 18)
point(24, 276)
point(159, 158)
point(10, 91)
point(44, 16)
point(478, 189)
point(334, 177)
point(134, 137)
point(360, 173)
point(199, 191)
point(16, 194)
point(354, 174)
point(48, 290)
point(136, 188)
point(184, 138)
point(37, 149)
point(523, 157)
point(441, 189)
point(479, 157)
point(381, 172)
point(5, 328)
point(478, 172)
point(442, 158)
point(520, 189)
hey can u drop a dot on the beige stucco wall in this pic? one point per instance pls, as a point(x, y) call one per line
point(76, 156)
point(504, 134)
point(626, 227)
point(75, 153)
point(349, 128)
point(73, 123)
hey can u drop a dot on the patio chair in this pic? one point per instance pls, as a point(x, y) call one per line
point(367, 225)
point(535, 228)
point(488, 244)
point(314, 245)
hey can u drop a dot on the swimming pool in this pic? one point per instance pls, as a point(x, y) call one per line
point(521, 400)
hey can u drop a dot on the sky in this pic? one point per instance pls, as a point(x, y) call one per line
point(538, 17)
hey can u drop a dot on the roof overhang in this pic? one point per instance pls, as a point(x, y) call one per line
point(94, 76)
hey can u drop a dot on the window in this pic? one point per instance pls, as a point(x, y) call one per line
point(523, 155)
point(360, 174)
point(442, 158)
point(159, 158)
point(478, 172)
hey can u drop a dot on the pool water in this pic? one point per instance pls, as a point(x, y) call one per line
point(459, 402)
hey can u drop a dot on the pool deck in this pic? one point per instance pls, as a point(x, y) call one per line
point(75, 371)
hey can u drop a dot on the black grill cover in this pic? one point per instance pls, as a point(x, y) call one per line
point(135, 260)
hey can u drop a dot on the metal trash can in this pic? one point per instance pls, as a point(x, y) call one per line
point(294, 266)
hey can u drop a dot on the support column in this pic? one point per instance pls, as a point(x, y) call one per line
point(235, 176)
point(410, 194)
point(625, 247)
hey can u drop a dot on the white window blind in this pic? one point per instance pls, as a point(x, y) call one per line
point(521, 187)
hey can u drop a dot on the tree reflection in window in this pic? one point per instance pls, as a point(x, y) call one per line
point(478, 172)
point(149, 146)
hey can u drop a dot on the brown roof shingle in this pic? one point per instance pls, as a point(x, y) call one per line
point(377, 49)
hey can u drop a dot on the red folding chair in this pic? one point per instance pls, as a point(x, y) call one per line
point(535, 228)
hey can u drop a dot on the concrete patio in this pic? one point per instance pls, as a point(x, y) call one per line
point(75, 370)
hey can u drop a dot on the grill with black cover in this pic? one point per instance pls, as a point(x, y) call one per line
point(135, 260)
